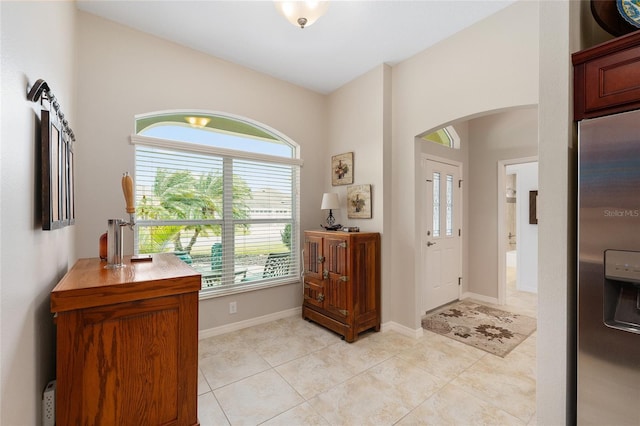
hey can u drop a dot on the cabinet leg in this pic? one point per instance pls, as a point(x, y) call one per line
point(350, 337)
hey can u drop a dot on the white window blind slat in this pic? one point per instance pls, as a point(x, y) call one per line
point(231, 217)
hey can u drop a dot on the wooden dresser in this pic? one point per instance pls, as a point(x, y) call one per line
point(342, 281)
point(127, 343)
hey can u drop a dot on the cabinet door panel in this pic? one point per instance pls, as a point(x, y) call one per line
point(335, 250)
point(606, 77)
point(338, 283)
point(338, 294)
point(314, 293)
point(313, 257)
point(617, 77)
point(131, 363)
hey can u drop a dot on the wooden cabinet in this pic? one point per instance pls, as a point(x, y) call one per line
point(342, 281)
point(607, 78)
point(127, 343)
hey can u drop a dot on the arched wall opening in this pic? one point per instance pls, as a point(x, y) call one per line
point(485, 139)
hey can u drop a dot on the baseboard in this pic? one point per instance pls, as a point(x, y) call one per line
point(227, 328)
point(480, 298)
point(401, 329)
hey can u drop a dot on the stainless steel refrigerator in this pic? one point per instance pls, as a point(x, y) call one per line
point(608, 361)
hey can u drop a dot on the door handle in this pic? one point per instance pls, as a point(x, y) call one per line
point(429, 244)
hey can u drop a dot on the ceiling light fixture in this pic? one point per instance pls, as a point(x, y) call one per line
point(198, 121)
point(302, 13)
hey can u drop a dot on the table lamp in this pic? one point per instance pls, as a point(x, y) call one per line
point(330, 201)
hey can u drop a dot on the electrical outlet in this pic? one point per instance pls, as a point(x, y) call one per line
point(233, 307)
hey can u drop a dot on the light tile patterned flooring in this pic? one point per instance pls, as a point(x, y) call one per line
point(292, 372)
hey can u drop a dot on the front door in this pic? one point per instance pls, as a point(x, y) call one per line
point(441, 233)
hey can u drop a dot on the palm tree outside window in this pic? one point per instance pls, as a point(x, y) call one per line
point(221, 193)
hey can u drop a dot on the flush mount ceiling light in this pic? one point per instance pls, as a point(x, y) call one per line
point(302, 13)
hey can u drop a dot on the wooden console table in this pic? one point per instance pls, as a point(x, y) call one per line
point(127, 343)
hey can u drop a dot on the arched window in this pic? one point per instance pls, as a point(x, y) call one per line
point(447, 136)
point(221, 192)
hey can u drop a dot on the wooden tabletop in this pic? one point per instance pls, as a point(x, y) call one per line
point(90, 284)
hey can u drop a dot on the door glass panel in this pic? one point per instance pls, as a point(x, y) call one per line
point(436, 204)
point(449, 211)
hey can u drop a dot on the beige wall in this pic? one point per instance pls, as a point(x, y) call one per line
point(502, 136)
point(490, 66)
point(557, 258)
point(37, 41)
point(356, 125)
point(121, 73)
point(556, 215)
point(359, 122)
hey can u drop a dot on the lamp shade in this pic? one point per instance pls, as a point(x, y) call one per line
point(330, 201)
point(302, 13)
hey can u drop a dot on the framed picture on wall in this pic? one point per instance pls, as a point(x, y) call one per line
point(359, 202)
point(533, 207)
point(71, 184)
point(57, 175)
point(342, 169)
point(50, 138)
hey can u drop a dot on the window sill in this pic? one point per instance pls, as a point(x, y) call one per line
point(213, 293)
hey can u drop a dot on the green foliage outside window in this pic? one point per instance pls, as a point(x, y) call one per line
point(181, 195)
point(285, 234)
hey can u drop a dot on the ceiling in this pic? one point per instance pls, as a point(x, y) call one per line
point(352, 38)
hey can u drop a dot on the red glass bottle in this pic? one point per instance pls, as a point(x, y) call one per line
point(103, 246)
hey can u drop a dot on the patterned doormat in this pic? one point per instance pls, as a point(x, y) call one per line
point(493, 330)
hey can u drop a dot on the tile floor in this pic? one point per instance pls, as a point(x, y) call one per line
point(293, 372)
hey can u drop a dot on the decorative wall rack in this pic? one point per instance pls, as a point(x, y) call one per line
point(57, 141)
point(41, 90)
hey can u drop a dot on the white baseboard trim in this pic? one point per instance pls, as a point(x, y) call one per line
point(480, 298)
point(401, 329)
point(227, 328)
